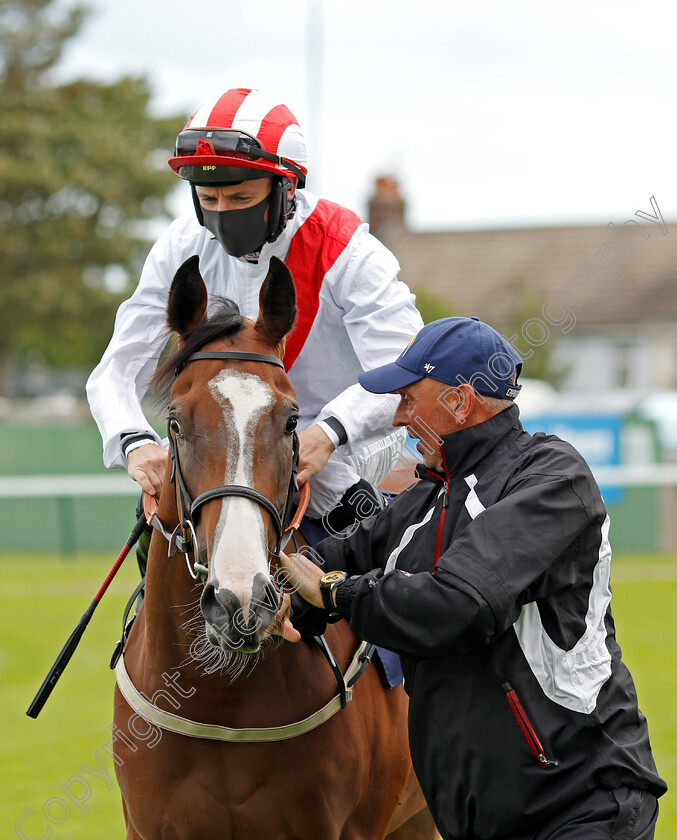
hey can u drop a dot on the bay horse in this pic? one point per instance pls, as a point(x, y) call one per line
point(217, 731)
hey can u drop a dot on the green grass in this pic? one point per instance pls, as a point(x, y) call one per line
point(41, 602)
point(42, 598)
point(645, 611)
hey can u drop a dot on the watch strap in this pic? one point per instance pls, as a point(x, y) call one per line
point(325, 591)
point(329, 582)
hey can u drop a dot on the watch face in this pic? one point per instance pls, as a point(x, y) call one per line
point(330, 577)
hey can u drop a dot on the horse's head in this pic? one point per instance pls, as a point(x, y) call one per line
point(232, 426)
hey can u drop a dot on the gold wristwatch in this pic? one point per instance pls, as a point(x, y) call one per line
point(328, 583)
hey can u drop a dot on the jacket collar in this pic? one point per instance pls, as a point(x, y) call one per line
point(463, 450)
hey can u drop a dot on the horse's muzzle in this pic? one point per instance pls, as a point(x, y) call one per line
point(234, 626)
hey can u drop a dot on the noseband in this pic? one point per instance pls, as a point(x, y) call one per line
point(188, 508)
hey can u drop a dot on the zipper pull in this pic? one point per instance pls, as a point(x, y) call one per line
point(445, 495)
point(527, 728)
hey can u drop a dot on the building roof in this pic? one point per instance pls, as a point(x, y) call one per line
point(592, 269)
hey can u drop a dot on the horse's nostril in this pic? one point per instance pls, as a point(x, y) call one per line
point(213, 602)
point(234, 626)
point(228, 600)
point(264, 594)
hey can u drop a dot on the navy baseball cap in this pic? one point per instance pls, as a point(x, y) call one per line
point(453, 351)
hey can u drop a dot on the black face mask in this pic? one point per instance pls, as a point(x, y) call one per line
point(239, 231)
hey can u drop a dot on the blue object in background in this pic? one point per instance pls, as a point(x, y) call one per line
point(596, 436)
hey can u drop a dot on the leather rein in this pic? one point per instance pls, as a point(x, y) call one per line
point(184, 539)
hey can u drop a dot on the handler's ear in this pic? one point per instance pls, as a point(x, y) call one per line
point(187, 304)
point(459, 400)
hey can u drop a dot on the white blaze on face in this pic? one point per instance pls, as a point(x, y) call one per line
point(240, 549)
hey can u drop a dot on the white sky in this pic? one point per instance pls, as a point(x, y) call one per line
point(489, 113)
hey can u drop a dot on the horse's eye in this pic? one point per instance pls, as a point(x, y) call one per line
point(175, 428)
point(292, 420)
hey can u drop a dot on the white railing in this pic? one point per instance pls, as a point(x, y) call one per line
point(64, 486)
point(637, 475)
point(119, 484)
point(64, 490)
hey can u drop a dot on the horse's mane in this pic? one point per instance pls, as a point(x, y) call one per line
point(226, 321)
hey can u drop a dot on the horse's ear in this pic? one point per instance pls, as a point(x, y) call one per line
point(277, 303)
point(187, 305)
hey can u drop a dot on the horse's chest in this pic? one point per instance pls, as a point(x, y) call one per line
point(202, 790)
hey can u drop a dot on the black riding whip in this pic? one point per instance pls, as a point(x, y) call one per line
point(68, 649)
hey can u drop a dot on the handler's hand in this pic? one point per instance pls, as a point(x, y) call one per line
point(283, 626)
point(303, 576)
point(148, 465)
point(314, 451)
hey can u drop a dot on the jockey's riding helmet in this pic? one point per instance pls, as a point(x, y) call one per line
point(242, 135)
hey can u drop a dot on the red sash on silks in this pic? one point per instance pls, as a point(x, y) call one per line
point(314, 249)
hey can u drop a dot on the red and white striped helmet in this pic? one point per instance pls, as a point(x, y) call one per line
point(242, 129)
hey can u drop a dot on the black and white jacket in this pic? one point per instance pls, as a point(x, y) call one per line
point(493, 586)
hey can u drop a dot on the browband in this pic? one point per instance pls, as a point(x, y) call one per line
point(234, 354)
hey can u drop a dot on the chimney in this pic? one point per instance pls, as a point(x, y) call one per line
point(386, 208)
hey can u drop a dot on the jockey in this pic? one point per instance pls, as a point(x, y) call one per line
point(244, 156)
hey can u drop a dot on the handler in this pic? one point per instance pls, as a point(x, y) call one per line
point(244, 156)
point(490, 577)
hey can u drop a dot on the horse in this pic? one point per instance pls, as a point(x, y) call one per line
point(222, 731)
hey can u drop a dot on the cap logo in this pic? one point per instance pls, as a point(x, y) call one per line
point(428, 368)
point(411, 341)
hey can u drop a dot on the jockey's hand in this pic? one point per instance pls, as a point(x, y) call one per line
point(314, 451)
point(283, 626)
point(148, 465)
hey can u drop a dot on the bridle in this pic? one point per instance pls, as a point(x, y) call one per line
point(184, 539)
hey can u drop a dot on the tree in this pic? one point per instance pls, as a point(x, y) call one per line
point(82, 166)
point(432, 306)
point(526, 305)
